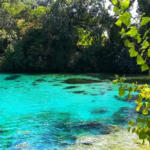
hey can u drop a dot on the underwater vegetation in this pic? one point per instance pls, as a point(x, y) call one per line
point(80, 81)
point(12, 77)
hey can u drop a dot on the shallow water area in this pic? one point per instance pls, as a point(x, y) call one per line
point(50, 111)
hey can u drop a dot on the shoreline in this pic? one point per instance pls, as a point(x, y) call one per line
point(117, 140)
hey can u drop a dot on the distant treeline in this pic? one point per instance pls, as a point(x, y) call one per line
point(63, 36)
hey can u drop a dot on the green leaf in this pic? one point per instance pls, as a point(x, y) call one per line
point(133, 130)
point(119, 23)
point(142, 134)
point(123, 35)
point(125, 4)
point(133, 52)
point(130, 89)
point(144, 67)
point(128, 129)
point(117, 10)
point(147, 104)
point(142, 16)
point(145, 34)
point(140, 60)
point(121, 91)
point(129, 96)
point(131, 123)
point(122, 79)
point(145, 44)
point(148, 123)
point(126, 19)
point(145, 20)
point(148, 52)
point(139, 106)
point(141, 120)
point(128, 44)
point(122, 31)
point(138, 38)
point(115, 81)
point(139, 99)
point(148, 133)
point(145, 112)
point(132, 32)
point(115, 2)
point(116, 76)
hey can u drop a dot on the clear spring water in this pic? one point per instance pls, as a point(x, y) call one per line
point(44, 112)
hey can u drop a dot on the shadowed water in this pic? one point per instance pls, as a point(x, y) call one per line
point(50, 111)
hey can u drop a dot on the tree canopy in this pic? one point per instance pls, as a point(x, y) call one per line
point(62, 36)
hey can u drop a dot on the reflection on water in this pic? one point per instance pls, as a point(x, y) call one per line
point(51, 111)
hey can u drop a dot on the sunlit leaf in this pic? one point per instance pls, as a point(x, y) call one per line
point(128, 44)
point(115, 81)
point(139, 106)
point(116, 76)
point(121, 91)
point(145, 34)
point(126, 19)
point(145, 112)
point(122, 79)
point(140, 60)
point(148, 52)
point(119, 23)
point(115, 2)
point(132, 32)
point(145, 20)
point(117, 10)
point(142, 16)
point(122, 31)
point(125, 4)
point(133, 52)
point(131, 123)
point(144, 67)
point(147, 104)
point(145, 44)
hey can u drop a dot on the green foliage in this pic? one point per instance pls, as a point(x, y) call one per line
point(63, 36)
point(142, 53)
point(145, 20)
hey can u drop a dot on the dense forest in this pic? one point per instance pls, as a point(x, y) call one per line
point(75, 36)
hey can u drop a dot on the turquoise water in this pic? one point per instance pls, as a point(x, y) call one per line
point(45, 112)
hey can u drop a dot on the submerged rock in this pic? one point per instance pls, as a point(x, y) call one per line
point(24, 146)
point(78, 92)
point(133, 98)
point(123, 115)
point(100, 111)
point(90, 125)
point(94, 94)
point(80, 81)
point(40, 80)
point(13, 77)
point(121, 140)
point(70, 87)
point(93, 101)
point(34, 84)
point(102, 93)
